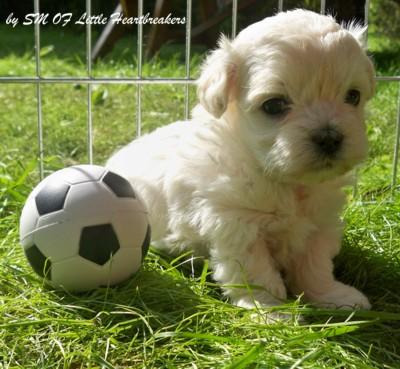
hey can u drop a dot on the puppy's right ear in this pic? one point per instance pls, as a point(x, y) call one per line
point(218, 77)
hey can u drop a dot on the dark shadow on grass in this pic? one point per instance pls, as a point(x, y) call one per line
point(387, 60)
point(20, 41)
point(378, 277)
point(147, 302)
point(376, 274)
point(68, 44)
point(154, 300)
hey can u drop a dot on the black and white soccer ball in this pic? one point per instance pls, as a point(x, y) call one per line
point(84, 227)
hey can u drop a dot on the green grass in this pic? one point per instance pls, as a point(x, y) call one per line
point(169, 316)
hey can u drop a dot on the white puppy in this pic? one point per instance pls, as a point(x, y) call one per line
point(255, 178)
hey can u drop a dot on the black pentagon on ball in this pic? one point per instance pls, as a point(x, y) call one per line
point(119, 185)
point(98, 243)
point(146, 242)
point(51, 197)
point(39, 263)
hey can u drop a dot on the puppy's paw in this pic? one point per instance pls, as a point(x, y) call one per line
point(274, 317)
point(262, 313)
point(342, 296)
point(261, 304)
point(275, 297)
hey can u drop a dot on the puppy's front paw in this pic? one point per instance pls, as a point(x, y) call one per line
point(261, 314)
point(248, 302)
point(342, 296)
point(275, 296)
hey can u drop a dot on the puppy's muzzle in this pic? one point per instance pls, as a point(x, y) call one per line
point(327, 141)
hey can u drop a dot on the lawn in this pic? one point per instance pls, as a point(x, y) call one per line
point(171, 314)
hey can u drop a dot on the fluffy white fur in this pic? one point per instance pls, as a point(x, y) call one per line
point(250, 189)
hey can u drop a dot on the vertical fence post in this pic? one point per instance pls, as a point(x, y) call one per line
point(36, 7)
point(234, 18)
point(323, 7)
point(396, 147)
point(139, 70)
point(366, 13)
point(89, 85)
point(187, 54)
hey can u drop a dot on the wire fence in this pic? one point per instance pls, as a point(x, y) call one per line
point(38, 80)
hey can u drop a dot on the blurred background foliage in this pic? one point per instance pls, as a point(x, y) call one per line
point(385, 17)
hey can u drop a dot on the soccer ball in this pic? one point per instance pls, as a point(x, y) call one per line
point(84, 227)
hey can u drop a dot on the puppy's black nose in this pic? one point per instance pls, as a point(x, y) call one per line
point(327, 140)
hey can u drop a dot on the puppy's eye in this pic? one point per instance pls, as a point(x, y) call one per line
point(353, 97)
point(276, 106)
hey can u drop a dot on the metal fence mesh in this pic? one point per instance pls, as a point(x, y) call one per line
point(89, 80)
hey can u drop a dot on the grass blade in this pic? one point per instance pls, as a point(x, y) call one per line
point(249, 357)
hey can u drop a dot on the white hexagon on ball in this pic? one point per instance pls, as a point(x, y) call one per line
point(84, 227)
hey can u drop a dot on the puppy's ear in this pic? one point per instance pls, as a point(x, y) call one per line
point(218, 77)
point(359, 32)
